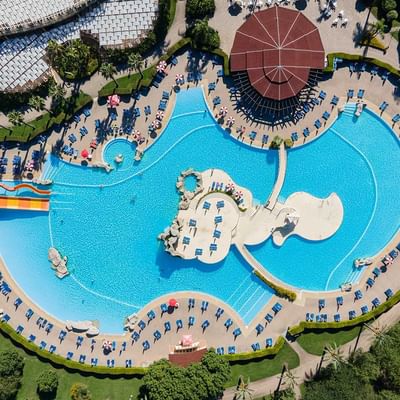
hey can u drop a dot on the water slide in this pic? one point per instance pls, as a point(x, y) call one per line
point(24, 186)
point(24, 203)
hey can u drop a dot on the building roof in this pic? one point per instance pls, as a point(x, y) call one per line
point(278, 47)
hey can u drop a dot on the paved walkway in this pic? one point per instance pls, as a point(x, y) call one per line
point(309, 363)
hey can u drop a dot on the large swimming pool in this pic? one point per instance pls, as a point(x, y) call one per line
point(107, 224)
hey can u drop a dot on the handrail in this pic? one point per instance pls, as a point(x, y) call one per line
point(25, 185)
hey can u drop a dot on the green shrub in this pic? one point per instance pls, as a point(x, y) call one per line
point(297, 329)
point(276, 142)
point(47, 382)
point(392, 15)
point(11, 369)
point(280, 291)
point(203, 36)
point(360, 58)
point(389, 5)
point(199, 9)
point(254, 355)
point(288, 143)
point(79, 391)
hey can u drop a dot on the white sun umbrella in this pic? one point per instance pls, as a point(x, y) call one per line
point(240, 3)
point(163, 64)
point(179, 78)
point(156, 124)
point(160, 115)
point(159, 68)
point(230, 121)
point(223, 110)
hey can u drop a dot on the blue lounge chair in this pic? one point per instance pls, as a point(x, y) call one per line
point(186, 240)
point(231, 349)
point(191, 303)
point(350, 93)
point(165, 95)
point(62, 335)
point(255, 346)
point(174, 60)
point(167, 326)
point(211, 86)
point(179, 324)
point(70, 354)
point(49, 327)
point(336, 317)
point(114, 345)
point(339, 300)
point(204, 305)
point(269, 317)
point(370, 282)
point(151, 314)
point(52, 348)
point(364, 309)
point(220, 73)
point(19, 329)
point(219, 312)
point(213, 247)
point(352, 314)
point(384, 105)
point(265, 139)
point(321, 303)
point(294, 136)
point(17, 302)
point(205, 324)
point(306, 132)
point(218, 219)
point(220, 351)
point(268, 342)
point(32, 338)
point(335, 100)
point(79, 340)
point(228, 323)
point(5, 318)
point(326, 115)
point(164, 308)
point(82, 358)
point(206, 205)
point(157, 335)
point(135, 336)
point(259, 329)
point(252, 135)
point(93, 362)
point(191, 320)
point(376, 302)
point(277, 307)
point(388, 293)
point(128, 363)
point(317, 124)
point(237, 332)
point(322, 95)
point(146, 345)
point(396, 118)
point(29, 313)
point(376, 272)
point(141, 324)
point(358, 295)
point(360, 93)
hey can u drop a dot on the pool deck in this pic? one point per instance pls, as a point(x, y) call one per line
point(215, 335)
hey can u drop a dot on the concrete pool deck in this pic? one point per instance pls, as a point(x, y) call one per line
point(216, 335)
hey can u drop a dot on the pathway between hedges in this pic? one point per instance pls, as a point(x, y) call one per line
point(309, 363)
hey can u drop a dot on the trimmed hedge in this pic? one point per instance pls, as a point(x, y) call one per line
point(128, 83)
point(296, 330)
point(280, 291)
point(68, 364)
point(360, 58)
point(29, 130)
point(254, 355)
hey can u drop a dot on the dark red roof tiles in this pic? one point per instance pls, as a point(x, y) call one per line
point(277, 47)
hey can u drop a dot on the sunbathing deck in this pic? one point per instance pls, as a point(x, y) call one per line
point(217, 333)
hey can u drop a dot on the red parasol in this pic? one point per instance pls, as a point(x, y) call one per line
point(172, 302)
point(84, 153)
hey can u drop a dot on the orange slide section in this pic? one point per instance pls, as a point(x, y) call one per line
point(26, 186)
point(24, 203)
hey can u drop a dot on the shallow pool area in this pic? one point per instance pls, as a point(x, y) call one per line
point(107, 224)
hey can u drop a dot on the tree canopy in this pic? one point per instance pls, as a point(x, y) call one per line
point(199, 9)
point(369, 376)
point(79, 391)
point(200, 381)
point(204, 36)
point(47, 382)
point(11, 369)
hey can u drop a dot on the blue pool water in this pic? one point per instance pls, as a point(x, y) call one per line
point(107, 224)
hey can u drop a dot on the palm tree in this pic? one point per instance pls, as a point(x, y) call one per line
point(243, 390)
point(373, 30)
point(36, 102)
point(57, 92)
point(15, 118)
point(379, 331)
point(334, 355)
point(290, 380)
point(53, 50)
point(135, 61)
point(108, 71)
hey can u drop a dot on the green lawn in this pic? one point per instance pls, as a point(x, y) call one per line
point(314, 342)
point(101, 388)
point(264, 368)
